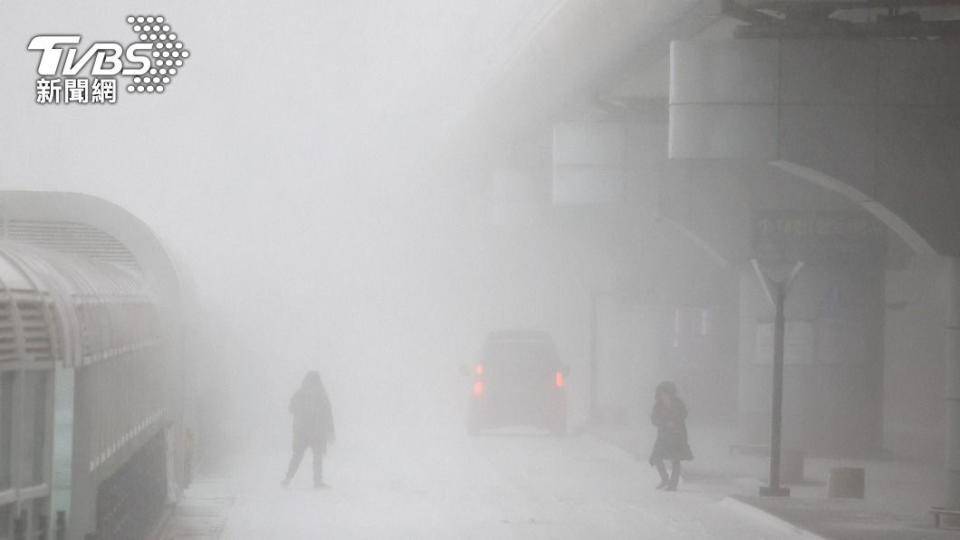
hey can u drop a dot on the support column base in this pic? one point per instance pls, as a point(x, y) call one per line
point(768, 491)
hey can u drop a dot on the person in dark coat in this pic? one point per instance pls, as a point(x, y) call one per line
point(312, 426)
point(669, 415)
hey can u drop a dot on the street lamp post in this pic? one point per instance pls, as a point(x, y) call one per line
point(778, 297)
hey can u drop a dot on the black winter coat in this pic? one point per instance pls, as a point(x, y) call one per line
point(672, 443)
point(312, 415)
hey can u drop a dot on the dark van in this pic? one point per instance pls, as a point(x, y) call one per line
point(519, 380)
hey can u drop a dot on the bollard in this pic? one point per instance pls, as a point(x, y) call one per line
point(847, 483)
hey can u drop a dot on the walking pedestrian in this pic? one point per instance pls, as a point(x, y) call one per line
point(669, 416)
point(312, 427)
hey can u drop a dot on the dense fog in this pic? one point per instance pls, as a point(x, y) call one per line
point(295, 171)
point(373, 189)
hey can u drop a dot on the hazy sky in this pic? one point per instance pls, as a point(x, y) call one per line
point(288, 169)
point(302, 121)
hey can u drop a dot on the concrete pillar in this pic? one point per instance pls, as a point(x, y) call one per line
point(952, 352)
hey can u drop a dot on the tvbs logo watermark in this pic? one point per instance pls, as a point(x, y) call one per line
point(145, 66)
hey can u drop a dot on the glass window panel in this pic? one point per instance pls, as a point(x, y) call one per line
point(34, 428)
point(63, 438)
point(7, 380)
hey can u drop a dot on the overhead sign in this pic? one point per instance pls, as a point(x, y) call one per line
point(817, 237)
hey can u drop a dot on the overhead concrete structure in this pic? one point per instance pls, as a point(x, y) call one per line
point(873, 120)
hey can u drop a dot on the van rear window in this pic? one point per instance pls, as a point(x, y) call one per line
point(519, 357)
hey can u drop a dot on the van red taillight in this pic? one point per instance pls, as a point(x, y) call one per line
point(558, 379)
point(478, 388)
point(478, 369)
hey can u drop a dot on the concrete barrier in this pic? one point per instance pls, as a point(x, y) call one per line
point(847, 483)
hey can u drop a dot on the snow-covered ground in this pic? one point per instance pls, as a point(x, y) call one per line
point(512, 484)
